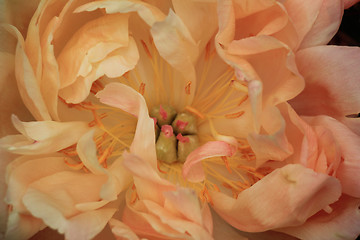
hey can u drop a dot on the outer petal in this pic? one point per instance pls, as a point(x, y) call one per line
point(286, 197)
point(43, 137)
point(26, 80)
point(349, 3)
point(348, 141)
point(326, 24)
point(122, 231)
point(331, 87)
point(124, 97)
point(342, 223)
point(21, 226)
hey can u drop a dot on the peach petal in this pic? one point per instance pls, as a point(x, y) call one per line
point(146, 177)
point(43, 136)
point(300, 193)
point(121, 231)
point(349, 3)
point(342, 222)
point(26, 79)
point(324, 93)
point(199, 17)
point(193, 170)
point(348, 141)
point(133, 102)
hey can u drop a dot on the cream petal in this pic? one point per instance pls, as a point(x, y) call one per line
point(43, 136)
point(26, 79)
point(324, 93)
point(192, 168)
point(342, 223)
point(121, 230)
point(146, 11)
point(22, 227)
point(124, 97)
point(300, 193)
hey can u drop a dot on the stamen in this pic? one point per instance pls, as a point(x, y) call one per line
point(238, 86)
point(160, 170)
point(76, 166)
point(146, 49)
point(226, 163)
point(106, 154)
point(194, 111)
point(234, 115)
point(96, 120)
point(96, 86)
point(243, 100)
point(142, 88)
point(206, 196)
point(188, 88)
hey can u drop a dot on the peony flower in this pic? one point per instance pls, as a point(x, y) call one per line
point(186, 120)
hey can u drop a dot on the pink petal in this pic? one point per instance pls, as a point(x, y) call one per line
point(326, 24)
point(342, 222)
point(192, 169)
point(331, 88)
point(288, 196)
point(349, 3)
point(40, 137)
point(124, 97)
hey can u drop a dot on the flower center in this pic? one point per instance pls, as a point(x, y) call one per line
point(175, 134)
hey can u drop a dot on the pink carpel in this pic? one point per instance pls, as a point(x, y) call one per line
point(167, 130)
point(182, 139)
point(163, 113)
point(181, 124)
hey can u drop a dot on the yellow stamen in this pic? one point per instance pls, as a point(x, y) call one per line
point(234, 115)
point(238, 86)
point(195, 112)
point(142, 88)
point(226, 163)
point(146, 49)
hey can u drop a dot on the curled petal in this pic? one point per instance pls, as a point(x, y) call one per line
point(122, 231)
point(22, 226)
point(300, 193)
point(43, 137)
point(193, 170)
point(133, 102)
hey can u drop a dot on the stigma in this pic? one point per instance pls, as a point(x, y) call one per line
point(176, 134)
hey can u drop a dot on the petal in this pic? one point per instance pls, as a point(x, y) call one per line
point(331, 88)
point(10, 101)
point(21, 226)
point(348, 142)
point(43, 137)
point(26, 80)
point(193, 170)
point(199, 17)
point(349, 3)
point(146, 177)
point(342, 223)
point(122, 231)
point(300, 193)
point(326, 24)
point(124, 97)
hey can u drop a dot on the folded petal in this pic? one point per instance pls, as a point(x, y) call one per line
point(348, 142)
point(43, 136)
point(125, 98)
point(349, 3)
point(342, 223)
point(192, 168)
point(22, 226)
point(300, 193)
point(122, 231)
point(331, 88)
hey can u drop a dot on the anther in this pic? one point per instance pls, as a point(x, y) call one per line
point(142, 88)
point(188, 88)
point(195, 111)
point(146, 49)
point(238, 86)
point(234, 115)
